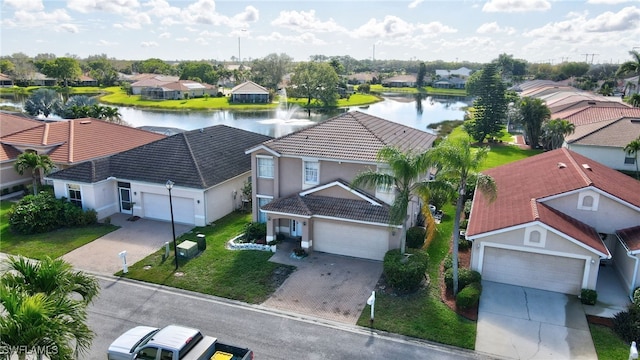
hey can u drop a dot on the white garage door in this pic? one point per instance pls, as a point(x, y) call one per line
point(351, 239)
point(539, 271)
point(157, 207)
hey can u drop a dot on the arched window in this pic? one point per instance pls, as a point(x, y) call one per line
point(534, 237)
point(587, 201)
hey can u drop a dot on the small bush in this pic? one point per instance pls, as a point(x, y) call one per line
point(255, 230)
point(43, 213)
point(463, 224)
point(469, 297)
point(636, 297)
point(627, 324)
point(405, 275)
point(465, 277)
point(464, 244)
point(415, 237)
point(467, 207)
point(588, 296)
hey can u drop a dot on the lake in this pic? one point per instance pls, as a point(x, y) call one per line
point(405, 109)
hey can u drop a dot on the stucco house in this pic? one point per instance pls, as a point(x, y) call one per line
point(408, 80)
point(66, 142)
point(177, 90)
point(208, 167)
point(558, 218)
point(249, 92)
point(462, 73)
point(301, 184)
point(5, 81)
point(151, 81)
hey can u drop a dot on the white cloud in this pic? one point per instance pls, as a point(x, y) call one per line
point(26, 5)
point(415, 4)
point(607, 2)
point(146, 44)
point(107, 43)
point(165, 35)
point(390, 27)
point(161, 8)
point(111, 6)
point(626, 19)
point(182, 39)
point(249, 15)
point(516, 5)
point(494, 28)
point(304, 21)
point(35, 19)
point(201, 41)
point(435, 28)
point(305, 38)
point(68, 28)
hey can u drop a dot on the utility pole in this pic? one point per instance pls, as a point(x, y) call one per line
point(586, 57)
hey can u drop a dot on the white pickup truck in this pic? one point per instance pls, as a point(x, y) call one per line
point(172, 342)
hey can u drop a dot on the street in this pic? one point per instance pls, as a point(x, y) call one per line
point(271, 334)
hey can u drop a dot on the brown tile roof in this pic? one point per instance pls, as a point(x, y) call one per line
point(186, 85)
point(544, 175)
point(590, 114)
point(614, 133)
point(73, 141)
point(11, 124)
point(351, 136)
point(630, 237)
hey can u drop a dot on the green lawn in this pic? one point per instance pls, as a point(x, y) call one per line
point(53, 244)
point(241, 275)
point(608, 344)
point(377, 88)
point(423, 315)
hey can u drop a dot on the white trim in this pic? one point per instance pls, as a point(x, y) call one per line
point(348, 161)
point(305, 184)
point(587, 259)
point(262, 147)
point(547, 227)
point(595, 199)
point(356, 221)
point(345, 187)
point(541, 241)
point(288, 215)
point(273, 166)
point(592, 188)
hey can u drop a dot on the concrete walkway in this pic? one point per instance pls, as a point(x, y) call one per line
point(139, 238)
point(522, 323)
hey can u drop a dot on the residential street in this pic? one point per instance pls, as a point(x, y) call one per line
point(271, 335)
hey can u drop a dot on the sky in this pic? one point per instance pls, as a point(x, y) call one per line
point(538, 31)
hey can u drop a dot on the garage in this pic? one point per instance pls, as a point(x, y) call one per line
point(156, 206)
point(350, 239)
point(528, 269)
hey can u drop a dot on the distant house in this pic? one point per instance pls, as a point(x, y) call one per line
point(362, 78)
point(208, 166)
point(400, 81)
point(39, 79)
point(450, 83)
point(151, 80)
point(182, 89)
point(462, 73)
point(86, 81)
point(249, 92)
point(5, 81)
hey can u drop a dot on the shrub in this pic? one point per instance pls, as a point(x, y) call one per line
point(43, 212)
point(465, 277)
point(467, 207)
point(255, 230)
point(588, 296)
point(627, 324)
point(636, 297)
point(464, 244)
point(469, 297)
point(405, 275)
point(463, 224)
point(415, 237)
point(448, 262)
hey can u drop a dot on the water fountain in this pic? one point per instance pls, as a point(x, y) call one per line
point(285, 112)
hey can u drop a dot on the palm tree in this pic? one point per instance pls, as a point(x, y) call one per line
point(51, 287)
point(456, 159)
point(43, 102)
point(633, 149)
point(35, 163)
point(405, 176)
point(534, 112)
point(632, 66)
point(555, 131)
point(111, 114)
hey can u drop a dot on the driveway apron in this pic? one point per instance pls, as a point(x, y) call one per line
point(139, 238)
point(522, 323)
point(326, 286)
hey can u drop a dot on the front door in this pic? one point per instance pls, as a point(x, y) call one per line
point(126, 205)
point(296, 229)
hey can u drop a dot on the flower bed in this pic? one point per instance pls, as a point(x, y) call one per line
point(233, 244)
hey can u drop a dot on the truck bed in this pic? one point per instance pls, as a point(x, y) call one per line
point(203, 350)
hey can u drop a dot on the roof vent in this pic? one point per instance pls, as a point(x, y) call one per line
point(561, 165)
point(586, 166)
point(591, 102)
point(85, 122)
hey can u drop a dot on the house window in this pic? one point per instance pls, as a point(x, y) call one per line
point(265, 167)
point(262, 201)
point(588, 200)
point(311, 172)
point(535, 236)
point(75, 196)
point(629, 160)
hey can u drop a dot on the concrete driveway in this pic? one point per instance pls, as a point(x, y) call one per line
point(522, 323)
point(326, 286)
point(139, 238)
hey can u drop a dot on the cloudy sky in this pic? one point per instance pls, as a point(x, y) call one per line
point(472, 30)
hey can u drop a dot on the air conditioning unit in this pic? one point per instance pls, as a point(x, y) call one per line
point(187, 249)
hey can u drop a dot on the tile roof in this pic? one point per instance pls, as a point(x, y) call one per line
point(197, 159)
point(11, 124)
point(588, 114)
point(613, 133)
point(249, 87)
point(74, 141)
point(314, 205)
point(541, 176)
point(351, 136)
point(630, 237)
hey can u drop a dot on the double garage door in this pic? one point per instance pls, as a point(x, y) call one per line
point(539, 271)
point(350, 239)
point(157, 207)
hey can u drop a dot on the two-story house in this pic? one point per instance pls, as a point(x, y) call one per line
point(558, 218)
point(301, 184)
